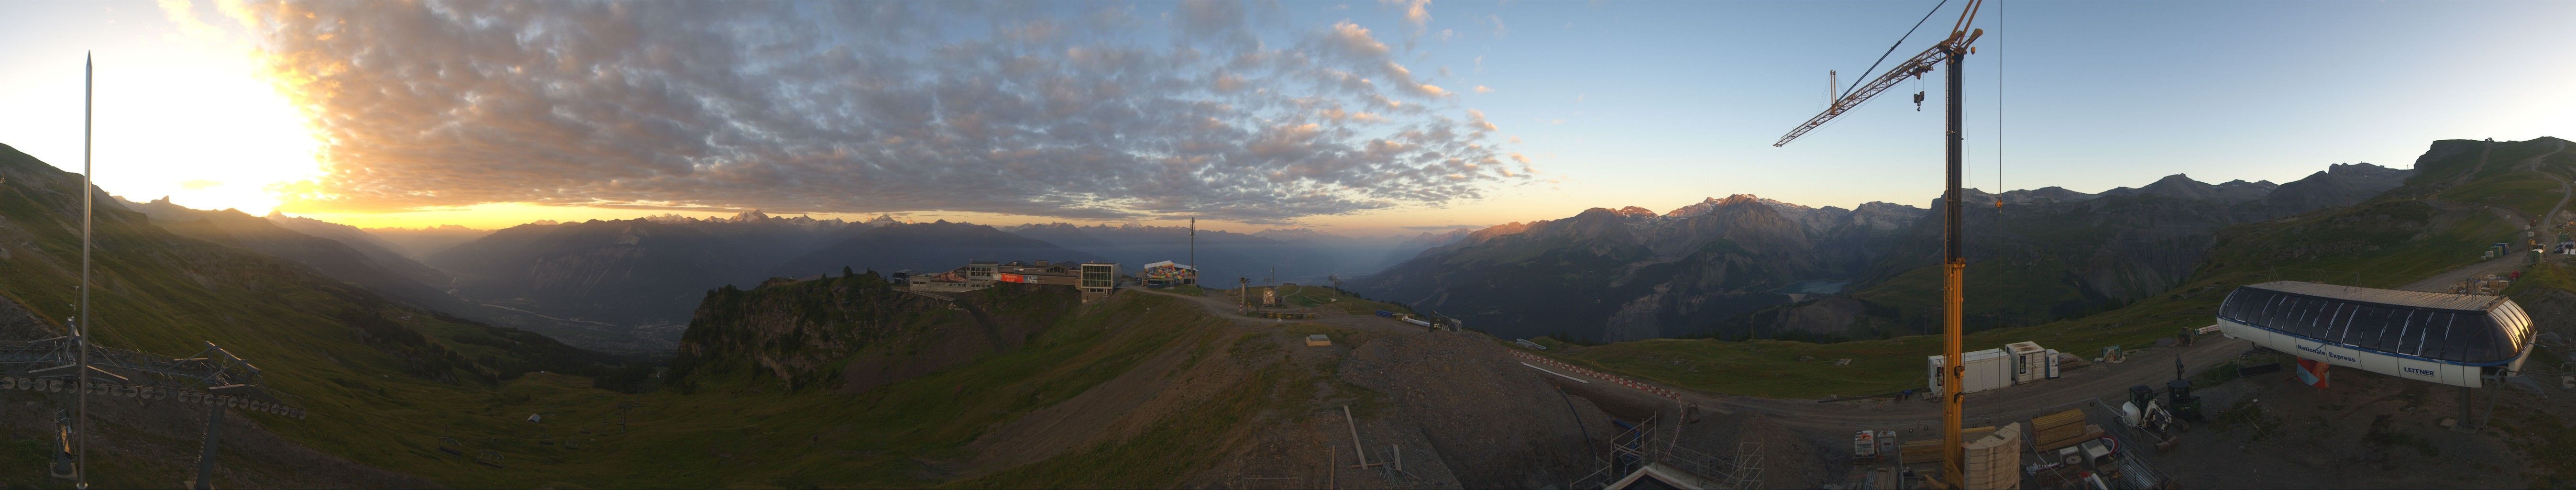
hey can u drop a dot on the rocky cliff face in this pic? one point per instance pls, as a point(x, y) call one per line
point(2337, 186)
point(799, 333)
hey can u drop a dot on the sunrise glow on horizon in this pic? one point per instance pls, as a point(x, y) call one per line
point(1361, 118)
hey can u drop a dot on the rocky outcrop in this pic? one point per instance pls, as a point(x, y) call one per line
point(2337, 186)
point(856, 332)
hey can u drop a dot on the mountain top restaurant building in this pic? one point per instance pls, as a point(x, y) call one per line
point(2453, 339)
point(1095, 279)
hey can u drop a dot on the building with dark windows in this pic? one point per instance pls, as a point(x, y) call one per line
point(1098, 279)
point(2453, 339)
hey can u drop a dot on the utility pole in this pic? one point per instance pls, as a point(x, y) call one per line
point(1953, 263)
point(622, 409)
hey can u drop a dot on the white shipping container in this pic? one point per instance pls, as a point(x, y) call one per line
point(1986, 369)
point(2030, 362)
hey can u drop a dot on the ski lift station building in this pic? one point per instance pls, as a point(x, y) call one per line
point(2453, 339)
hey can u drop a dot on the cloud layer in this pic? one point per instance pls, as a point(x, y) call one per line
point(1070, 110)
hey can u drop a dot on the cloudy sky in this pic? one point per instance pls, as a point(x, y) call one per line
point(1355, 117)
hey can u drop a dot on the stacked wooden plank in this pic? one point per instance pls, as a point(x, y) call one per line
point(1994, 461)
point(1926, 454)
point(2061, 429)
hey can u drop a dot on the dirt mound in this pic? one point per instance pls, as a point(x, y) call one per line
point(1789, 460)
point(1493, 421)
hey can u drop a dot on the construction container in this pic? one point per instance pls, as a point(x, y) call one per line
point(1318, 340)
point(2030, 362)
point(2053, 356)
point(1865, 447)
point(1986, 369)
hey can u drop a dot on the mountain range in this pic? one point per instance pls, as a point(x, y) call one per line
point(1295, 255)
point(1732, 266)
point(1717, 267)
point(419, 243)
point(845, 380)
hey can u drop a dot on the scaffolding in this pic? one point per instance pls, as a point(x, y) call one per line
point(212, 377)
point(1635, 448)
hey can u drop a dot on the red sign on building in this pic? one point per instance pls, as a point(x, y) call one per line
point(1010, 278)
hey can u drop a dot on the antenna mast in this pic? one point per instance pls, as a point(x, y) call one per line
point(80, 327)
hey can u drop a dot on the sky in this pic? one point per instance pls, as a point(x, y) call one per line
point(1358, 118)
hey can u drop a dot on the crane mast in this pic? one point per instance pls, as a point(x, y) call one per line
point(1953, 264)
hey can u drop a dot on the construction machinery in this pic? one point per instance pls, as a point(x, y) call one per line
point(1948, 52)
point(2142, 412)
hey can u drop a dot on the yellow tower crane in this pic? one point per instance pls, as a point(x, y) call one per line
point(1947, 52)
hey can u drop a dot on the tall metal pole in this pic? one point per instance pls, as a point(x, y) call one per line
point(1194, 250)
point(1953, 266)
point(206, 459)
point(80, 327)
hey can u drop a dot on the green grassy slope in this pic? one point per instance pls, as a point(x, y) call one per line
point(364, 367)
point(2529, 193)
point(741, 427)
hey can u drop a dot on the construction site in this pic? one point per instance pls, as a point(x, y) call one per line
point(2328, 385)
point(2313, 344)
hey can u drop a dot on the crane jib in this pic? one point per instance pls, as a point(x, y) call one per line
point(1954, 472)
point(1912, 67)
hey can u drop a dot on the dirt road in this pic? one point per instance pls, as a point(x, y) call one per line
point(2107, 382)
point(2441, 283)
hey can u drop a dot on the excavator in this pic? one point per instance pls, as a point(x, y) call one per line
point(2142, 412)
